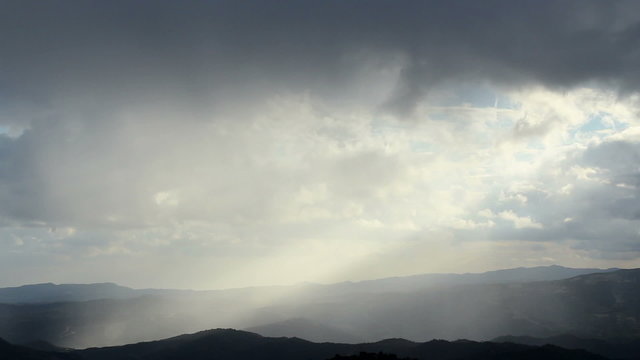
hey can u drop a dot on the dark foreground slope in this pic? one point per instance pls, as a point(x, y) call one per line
point(240, 345)
point(305, 329)
point(628, 349)
point(14, 352)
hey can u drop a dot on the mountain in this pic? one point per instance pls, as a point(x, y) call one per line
point(13, 352)
point(599, 305)
point(602, 305)
point(106, 322)
point(305, 329)
point(50, 293)
point(369, 356)
point(239, 345)
point(45, 346)
point(516, 275)
point(628, 349)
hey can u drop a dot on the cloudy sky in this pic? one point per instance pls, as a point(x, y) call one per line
point(208, 144)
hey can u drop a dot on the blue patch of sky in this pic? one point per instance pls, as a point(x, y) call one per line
point(473, 96)
point(454, 96)
point(477, 95)
point(481, 97)
point(596, 124)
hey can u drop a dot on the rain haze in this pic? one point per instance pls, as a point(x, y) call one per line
point(224, 144)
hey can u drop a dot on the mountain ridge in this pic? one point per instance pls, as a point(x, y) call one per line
point(628, 349)
point(597, 305)
point(240, 345)
point(49, 292)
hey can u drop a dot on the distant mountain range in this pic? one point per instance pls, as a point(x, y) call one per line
point(521, 274)
point(238, 345)
point(603, 304)
point(50, 293)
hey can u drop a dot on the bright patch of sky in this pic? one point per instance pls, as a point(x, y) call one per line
point(358, 185)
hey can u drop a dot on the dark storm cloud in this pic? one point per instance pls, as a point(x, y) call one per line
point(114, 49)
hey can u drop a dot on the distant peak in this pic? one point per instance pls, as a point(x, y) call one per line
point(40, 284)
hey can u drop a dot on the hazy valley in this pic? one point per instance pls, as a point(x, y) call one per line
point(530, 302)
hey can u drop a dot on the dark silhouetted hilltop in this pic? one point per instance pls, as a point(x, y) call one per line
point(622, 348)
point(369, 356)
point(305, 329)
point(14, 352)
point(240, 345)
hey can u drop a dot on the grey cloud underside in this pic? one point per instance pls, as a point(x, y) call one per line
point(114, 49)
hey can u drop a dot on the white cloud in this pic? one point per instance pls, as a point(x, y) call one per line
point(294, 172)
point(519, 222)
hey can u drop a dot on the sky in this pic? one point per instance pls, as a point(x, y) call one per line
point(216, 144)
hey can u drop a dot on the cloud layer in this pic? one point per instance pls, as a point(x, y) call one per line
point(302, 140)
